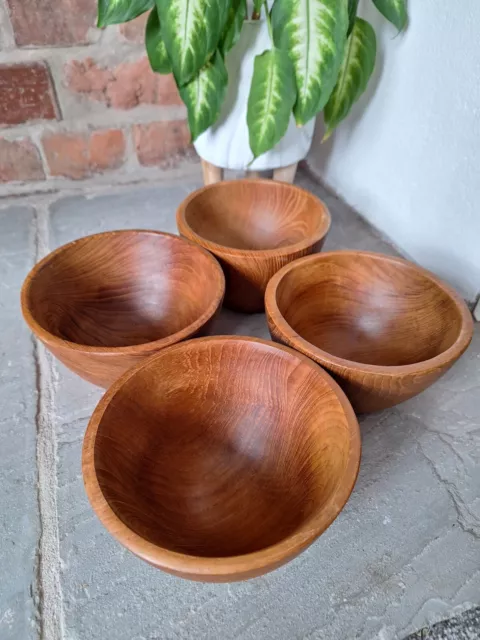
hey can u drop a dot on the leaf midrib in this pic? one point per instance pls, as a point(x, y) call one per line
point(198, 92)
point(271, 80)
point(307, 57)
point(345, 65)
point(187, 22)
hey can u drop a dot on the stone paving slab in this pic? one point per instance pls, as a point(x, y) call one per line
point(140, 208)
point(155, 207)
point(397, 556)
point(463, 627)
point(404, 552)
point(19, 516)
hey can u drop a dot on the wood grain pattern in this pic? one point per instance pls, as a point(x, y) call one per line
point(286, 174)
point(211, 173)
point(384, 327)
point(244, 453)
point(254, 227)
point(107, 301)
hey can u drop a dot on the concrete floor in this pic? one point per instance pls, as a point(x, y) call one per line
point(404, 553)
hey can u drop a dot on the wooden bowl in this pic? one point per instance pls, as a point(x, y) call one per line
point(254, 227)
point(243, 453)
point(104, 302)
point(385, 328)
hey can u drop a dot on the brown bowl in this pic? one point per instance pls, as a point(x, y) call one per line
point(384, 327)
point(254, 227)
point(104, 302)
point(244, 453)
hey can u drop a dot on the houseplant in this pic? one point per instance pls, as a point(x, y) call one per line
point(313, 56)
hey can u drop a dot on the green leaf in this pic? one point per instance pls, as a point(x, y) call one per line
point(155, 46)
point(352, 14)
point(314, 33)
point(204, 95)
point(117, 11)
point(191, 31)
point(235, 20)
point(355, 72)
point(393, 10)
point(272, 96)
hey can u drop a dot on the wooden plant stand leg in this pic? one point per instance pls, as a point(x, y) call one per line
point(286, 174)
point(211, 173)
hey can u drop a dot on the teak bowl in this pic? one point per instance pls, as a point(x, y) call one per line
point(104, 302)
point(254, 227)
point(243, 453)
point(385, 328)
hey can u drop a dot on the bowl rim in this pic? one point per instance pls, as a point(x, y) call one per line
point(230, 567)
point(184, 227)
point(52, 339)
point(295, 340)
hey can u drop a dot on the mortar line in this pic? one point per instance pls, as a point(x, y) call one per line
point(147, 176)
point(48, 553)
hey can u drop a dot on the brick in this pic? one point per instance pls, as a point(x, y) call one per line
point(20, 160)
point(161, 143)
point(134, 31)
point(107, 149)
point(26, 93)
point(124, 86)
point(79, 155)
point(42, 22)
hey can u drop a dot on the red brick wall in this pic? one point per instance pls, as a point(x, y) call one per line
point(76, 101)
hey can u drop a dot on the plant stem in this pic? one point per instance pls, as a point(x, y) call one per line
point(256, 16)
point(269, 22)
point(256, 13)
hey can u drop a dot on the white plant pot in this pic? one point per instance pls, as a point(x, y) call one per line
point(226, 144)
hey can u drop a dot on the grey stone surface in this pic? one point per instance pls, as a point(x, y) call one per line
point(141, 208)
point(465, 626)
point(155, 207)
point(404, 552)
point(348, 231)
point(19, 518)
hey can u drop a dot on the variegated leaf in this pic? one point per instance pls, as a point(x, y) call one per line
point(155, 46)
point(204, 95)
point(355, 72)
point(314, 33)
point(117, 11)
point(235, 20)
point(191, 31)
point(393, 10)
point(272, 96)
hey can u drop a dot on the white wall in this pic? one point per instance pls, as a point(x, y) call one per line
point(408, 157)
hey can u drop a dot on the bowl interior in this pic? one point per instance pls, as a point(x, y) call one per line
point(221, 448)
point(123, 288)
point(255, 214)
point(369, 309)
